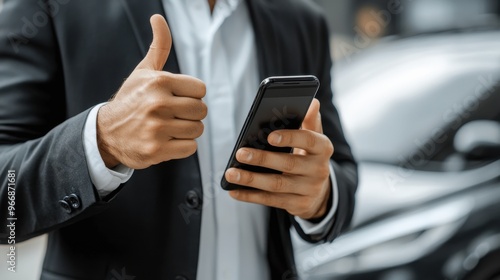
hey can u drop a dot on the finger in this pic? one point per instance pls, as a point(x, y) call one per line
point(312, 142)
point(277, 200)
point(183, 108)
point(177, 149)
point(312, 120)
point(182, 129)
point(190, 109)
point(276, 183)
point(180, 85)
point(159, 49)
point(284, 162)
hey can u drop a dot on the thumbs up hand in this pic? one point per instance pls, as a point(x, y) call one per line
point(156, 115)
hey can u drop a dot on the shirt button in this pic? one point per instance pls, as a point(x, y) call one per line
point(65, 205)
point(193, 200)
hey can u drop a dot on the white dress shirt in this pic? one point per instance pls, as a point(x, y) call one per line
point(218, 48)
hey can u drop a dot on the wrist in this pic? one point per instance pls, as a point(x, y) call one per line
point(325, 206)
point(105, 149)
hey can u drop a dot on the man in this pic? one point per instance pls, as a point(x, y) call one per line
point(169, 220)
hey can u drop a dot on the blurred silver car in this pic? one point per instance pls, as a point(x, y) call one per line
point(423, 117)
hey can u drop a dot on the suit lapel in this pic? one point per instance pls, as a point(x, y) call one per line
point(138, 13)
point(262, 14)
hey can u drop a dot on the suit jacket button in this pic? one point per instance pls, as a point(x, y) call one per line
point(180, 277)
point(73, 200)
point(193, 200)
point(65, 205)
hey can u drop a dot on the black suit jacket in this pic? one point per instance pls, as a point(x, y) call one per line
point(59, 58)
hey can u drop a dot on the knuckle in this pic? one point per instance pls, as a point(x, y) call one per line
point(164, 78)
point(196, 109)
point(289, 164)
point(261, 157)
point(310, 138)
point(203, 110)
point(152, 102)
point(279, 183)
point(154, 82)
point(149, 150)
point(199, 110)
point(196, 129)
point(159, 82)
point(154, 126)
point(249, 177)
point(202, 89)
point(195, 86)
point(200, 128)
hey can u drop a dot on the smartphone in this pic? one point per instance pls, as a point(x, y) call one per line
point(280, 103)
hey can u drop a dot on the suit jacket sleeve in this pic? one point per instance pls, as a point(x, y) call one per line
point(36, 141)
point(343, 162)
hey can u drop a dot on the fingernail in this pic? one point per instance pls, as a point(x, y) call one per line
point(245, 155)
point(275, 138)
point(234, 175)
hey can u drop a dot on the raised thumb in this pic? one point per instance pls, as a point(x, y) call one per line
point(160, 47)
point(312, 120)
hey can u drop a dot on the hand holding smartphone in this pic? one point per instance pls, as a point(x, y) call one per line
point(280, 103)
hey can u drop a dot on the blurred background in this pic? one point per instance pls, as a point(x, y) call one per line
point(417, 84)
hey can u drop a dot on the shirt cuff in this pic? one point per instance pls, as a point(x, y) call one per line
point(104, 179)
point(313, 228)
